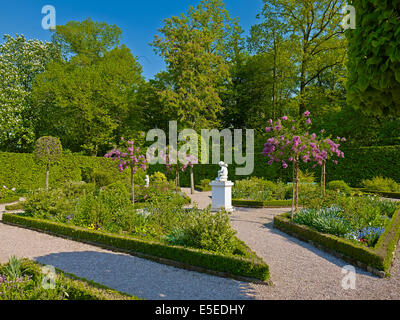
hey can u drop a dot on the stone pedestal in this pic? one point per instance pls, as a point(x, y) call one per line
point(222, 195)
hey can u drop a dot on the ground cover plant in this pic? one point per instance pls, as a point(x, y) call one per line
point(23, 279)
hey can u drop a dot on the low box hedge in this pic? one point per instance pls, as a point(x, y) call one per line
point(394, 195)
point(377, 260)
point(9, 199)
point(246, 269)
point(262, 204)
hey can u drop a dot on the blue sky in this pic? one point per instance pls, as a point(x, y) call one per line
point(139, 20)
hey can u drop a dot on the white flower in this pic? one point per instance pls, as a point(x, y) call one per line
point(4, 187)
point(13, 189)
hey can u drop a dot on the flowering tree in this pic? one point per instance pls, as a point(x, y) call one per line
point(326, 149)
point(21, 61)
point(290, 144)
point(130, 159)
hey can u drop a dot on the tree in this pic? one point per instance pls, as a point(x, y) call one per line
point(21, 61)
point(130, 158)
point(312, 28)
point(374, 58)
point(194, 47)
point(48, 150)
point(89, 99)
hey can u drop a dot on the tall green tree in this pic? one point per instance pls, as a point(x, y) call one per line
point(88, 98)
point(21, 61)
point(316, 40)
point(196, 48)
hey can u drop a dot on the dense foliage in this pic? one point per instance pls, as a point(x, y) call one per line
point(374, 57)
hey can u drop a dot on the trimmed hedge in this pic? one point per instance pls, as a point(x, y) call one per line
point(9, 199)
point(394, 195)
point(359, 164)
point(20, 171)
point(262, 204)
point(377, 260)
point(253, 268)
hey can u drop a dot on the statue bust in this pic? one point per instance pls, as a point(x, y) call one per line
point(223, 173)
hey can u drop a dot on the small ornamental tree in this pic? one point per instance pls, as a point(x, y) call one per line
point(179, 164)
point(290, 144)
point(129, 157)
point(326, 149)
point(48, 150)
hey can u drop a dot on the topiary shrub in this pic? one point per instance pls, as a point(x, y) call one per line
point(48, 150)
point(339, 185)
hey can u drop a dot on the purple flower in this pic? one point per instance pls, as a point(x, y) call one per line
point(285, 118)
point(307, 114)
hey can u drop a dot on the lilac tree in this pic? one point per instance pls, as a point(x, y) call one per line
point(290, 143)
point(129, 157)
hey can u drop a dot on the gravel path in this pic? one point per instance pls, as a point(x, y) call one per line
point(299, 271)
point(132, 275)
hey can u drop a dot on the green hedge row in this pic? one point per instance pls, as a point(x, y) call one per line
point(20, 170)
point(233, 266)
point(358, 164)
point(9, 199)
point(378, 258)
point(394, 195)
point(262, 204)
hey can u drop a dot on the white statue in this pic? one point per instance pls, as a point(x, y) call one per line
point(223, 173)
point(147, 181)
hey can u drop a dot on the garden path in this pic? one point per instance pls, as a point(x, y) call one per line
point(299, 270)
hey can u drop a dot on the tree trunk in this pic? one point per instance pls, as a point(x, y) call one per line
point(297, 185)
point(323, 179)
point(132, 187)
point(47, 177)
point(191, 181)
point(293, 188)
point(176, 179)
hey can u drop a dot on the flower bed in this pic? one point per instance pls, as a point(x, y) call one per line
point(21, 279)
point(364, 230)
point(249, 268)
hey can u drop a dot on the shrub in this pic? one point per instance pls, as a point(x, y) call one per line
point(381, 184)
point(209, 231)
point(52, 205)
point(158, 177)
point(258, 189)
point(101, 178)
point(339, 185)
